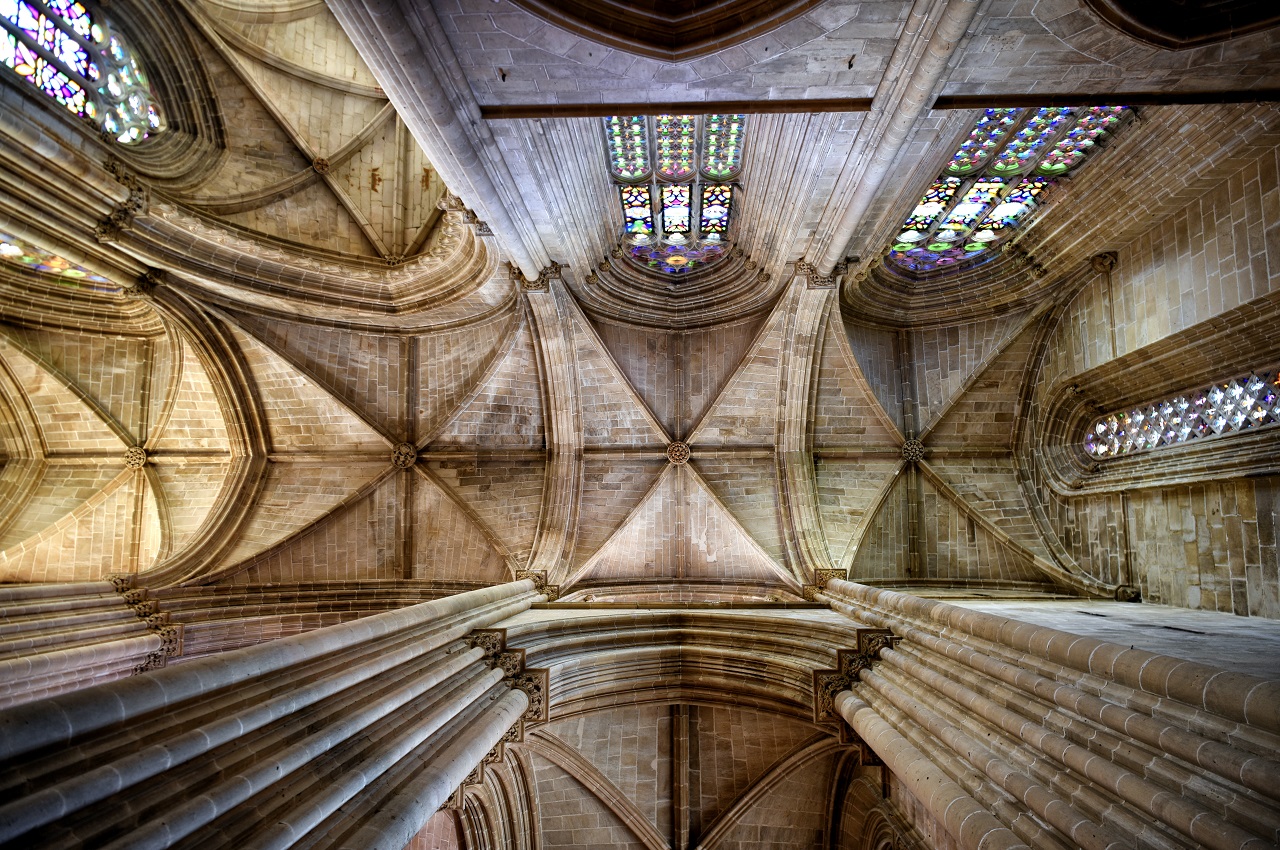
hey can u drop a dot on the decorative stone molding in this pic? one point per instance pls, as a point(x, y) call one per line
point(148, 611)
point(145, 284)
point(592, 278)
point(539, 577)
point(404, 456)
point(820, 579)
point(913, 451)
point(617, 253)
point(763, 277)
point(320, 165)
point(121, 217)
point(605, 266)
point(135, 457)
point(535, 682)
point(123, 174)
point(1105, 262)
point(120, 582)
point(849, 663)
point(678, 453)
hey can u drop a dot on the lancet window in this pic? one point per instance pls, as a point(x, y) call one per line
point(75, 57)
point(995, 180)
point(1241, 404)
point(676, 181)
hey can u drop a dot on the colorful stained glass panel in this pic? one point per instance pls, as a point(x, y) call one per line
point(1024, 149)
point(19, 252)
point(1080, 139)
point(628, 137)
point(931, 206)
point(674, 146)
point(722, 137)
point(637, 211)
point(675, 211)
point(678, 259)
point(983, 140)
point(717, 203)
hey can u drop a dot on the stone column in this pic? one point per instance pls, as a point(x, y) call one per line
point(372, 722)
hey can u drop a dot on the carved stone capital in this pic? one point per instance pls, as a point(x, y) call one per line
point(539, 578)
point(123, 174)
point(849, 663)
point(145, 284)
point(491, 641)
point(510, 662)
point(451, 203)
point(534, 681)
point(1128, 593)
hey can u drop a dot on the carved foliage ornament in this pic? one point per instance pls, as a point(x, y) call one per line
point(539, 578)
point(821, 577)
point(849, 663)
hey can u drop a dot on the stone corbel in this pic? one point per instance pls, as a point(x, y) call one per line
point(120, 219)
point(820, 579)
point(815, 280)
point(148, 611)
point(144, 285)
point(849, 663)
point(543, 283)
point(539, 577)
point(534, 681)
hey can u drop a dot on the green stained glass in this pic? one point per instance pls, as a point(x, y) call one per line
point(985, 137)
point(628, 137)
point(722, 137)
point(21, 253)
point(1024, 149)
point(1080, 139)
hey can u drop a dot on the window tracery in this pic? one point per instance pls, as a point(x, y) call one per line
point(675, 178)
point(995, 180)
point(77, 58)
point(1241, 404)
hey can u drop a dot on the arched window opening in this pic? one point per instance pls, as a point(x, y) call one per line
point(995, 180)
point(675, 176)
point(77, 58)
point(1228, 407)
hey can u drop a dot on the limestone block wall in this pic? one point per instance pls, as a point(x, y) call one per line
point(1189, 302)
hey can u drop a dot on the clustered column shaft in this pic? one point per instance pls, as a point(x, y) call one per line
point(270, 746)
point(1061, 741)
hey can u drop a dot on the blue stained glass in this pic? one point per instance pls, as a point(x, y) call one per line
point(983, 140)
point(1024, 149)
point(637, 211)
point(19, 252)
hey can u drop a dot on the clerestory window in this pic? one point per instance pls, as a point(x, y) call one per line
point(1241, 404)
point(676, 179)
point(77, 58)
point(995, 180)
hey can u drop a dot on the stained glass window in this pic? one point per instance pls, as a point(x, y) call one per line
point(1241, 404)
point(675, 212)
point(980, 197)
point(19, 252)
point(637, 210)
point(716, 201)
point(75, 57)
point(628, 146)
point(985, 137)
point(675, 146)
point(722, 137)
point(674, 173)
